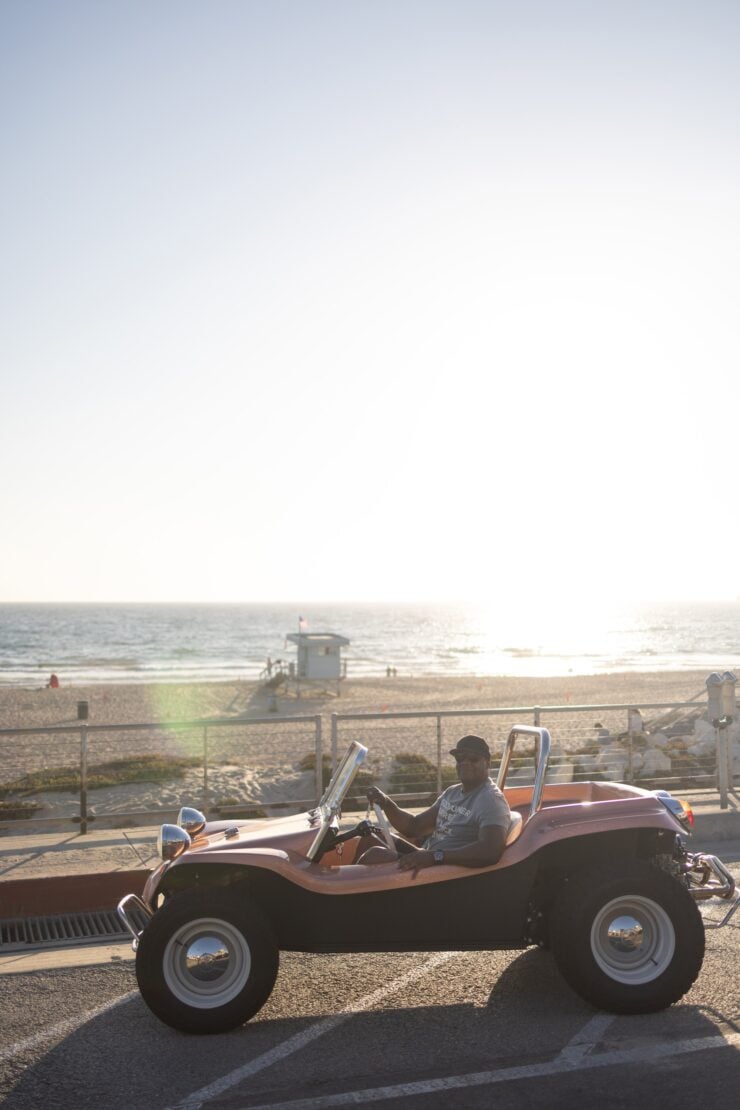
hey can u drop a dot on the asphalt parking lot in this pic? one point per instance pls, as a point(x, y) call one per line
point(400, 1030)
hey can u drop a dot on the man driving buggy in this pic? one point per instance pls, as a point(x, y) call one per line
point(467, 825)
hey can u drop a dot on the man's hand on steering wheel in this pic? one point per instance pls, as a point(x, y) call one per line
point(376, 797)
point(416, 861)
point(376, 801)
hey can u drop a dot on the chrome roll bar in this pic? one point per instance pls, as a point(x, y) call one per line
point(541, 738)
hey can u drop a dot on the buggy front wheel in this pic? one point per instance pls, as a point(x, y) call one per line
point(627, 937)
point(207, 961)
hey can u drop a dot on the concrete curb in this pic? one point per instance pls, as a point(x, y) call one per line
point(60, 894)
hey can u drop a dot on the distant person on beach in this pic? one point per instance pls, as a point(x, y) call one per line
point(467, 825)
point(53, 683)
point(603, 736)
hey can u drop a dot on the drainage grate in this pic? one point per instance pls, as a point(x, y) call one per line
point(60, 930)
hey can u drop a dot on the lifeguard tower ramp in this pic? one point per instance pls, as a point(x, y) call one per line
point(319, 660)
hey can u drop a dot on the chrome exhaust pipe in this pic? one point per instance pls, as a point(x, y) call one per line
point(708, 877)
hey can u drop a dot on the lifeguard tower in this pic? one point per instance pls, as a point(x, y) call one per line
point(319, 659)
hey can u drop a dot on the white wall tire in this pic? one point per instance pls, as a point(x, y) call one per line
point(627, 937)
point(633, 939)
point(207, 961)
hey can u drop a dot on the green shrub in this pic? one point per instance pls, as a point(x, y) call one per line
point(226, 809)
point(116, 772)
point(17, 811)
point(357, 791)
point(308, 763)
point(415, 774)
point(412, 774)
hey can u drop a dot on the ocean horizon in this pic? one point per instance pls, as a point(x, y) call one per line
point(118, 642)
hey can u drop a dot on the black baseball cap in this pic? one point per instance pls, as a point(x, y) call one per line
point(474, 745)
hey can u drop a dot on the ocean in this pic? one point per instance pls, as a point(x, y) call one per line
point(194, 643)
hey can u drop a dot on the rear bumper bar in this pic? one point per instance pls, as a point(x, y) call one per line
point(709, 878)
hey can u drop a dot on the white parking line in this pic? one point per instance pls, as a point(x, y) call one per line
point(559, 1066)
point(62, 1028)
point(587, 1038)
point(296, 1043)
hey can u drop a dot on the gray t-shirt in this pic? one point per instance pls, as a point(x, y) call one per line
point(461, 816)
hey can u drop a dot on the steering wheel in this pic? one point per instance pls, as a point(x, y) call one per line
point(384, 826)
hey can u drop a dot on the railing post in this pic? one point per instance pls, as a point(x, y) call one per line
point(319, 759)
point(716, 712)
point(722, 764)
point(206, 795)
point(83, 780)
point(439, 755)
point(537, 714)
point(334, 741)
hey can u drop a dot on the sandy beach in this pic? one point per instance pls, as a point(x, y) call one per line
point(140, 703)
point(262, 763)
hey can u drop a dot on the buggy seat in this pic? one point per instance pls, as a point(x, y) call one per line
point(515, 828)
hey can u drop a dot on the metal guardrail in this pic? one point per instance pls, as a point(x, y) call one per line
point(610, 746)
point(166, 730)
point(581, 750)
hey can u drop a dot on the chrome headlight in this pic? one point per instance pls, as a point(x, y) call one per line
point(192, 820)
point(172, 842)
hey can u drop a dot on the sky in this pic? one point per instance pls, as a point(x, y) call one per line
point(384, 300)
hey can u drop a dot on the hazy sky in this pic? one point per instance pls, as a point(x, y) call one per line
point(372, 300)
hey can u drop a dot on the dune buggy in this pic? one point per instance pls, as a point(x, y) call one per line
point(595, 871)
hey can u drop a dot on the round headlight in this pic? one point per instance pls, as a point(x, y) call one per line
point(172, 841)
point(192, 820)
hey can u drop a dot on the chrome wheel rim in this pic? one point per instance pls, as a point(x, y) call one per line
point(207, 963)
point(633, 940)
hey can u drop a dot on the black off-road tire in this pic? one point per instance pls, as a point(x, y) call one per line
point(629, 972)
point(202, 994)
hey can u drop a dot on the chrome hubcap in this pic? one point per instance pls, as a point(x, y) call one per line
point(207, 963)
point(633, 940)
point(625, 933)
point(207, 959)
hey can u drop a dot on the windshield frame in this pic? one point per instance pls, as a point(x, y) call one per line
point(337, 790)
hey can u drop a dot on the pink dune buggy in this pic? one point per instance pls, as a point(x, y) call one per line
point(595, 871)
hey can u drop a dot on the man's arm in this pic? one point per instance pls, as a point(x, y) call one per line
point(408, 824)
point(483, 852)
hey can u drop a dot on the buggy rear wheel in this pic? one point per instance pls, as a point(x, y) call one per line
point(207, 961)
point(627, 937)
